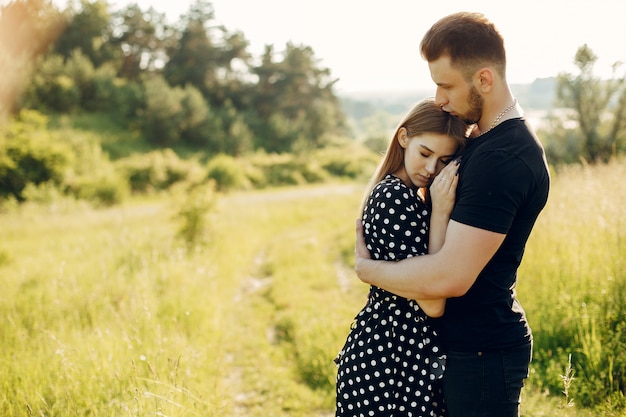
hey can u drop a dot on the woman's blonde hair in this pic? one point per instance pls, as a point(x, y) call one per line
point(423, 117)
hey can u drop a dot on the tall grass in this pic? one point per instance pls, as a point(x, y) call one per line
point(109, 312)
point(573, 286)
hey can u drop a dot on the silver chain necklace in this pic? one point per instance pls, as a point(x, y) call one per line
point(500, 116)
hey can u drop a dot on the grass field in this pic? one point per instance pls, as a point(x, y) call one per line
point(109, 313)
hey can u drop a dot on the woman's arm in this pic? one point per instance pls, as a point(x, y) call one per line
point(442, 194)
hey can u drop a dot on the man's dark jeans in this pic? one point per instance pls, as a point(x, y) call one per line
point(486, 384)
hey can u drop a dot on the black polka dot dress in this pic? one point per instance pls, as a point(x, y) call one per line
point(392, 363)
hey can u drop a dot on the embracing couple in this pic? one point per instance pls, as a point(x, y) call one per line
point(444, 226)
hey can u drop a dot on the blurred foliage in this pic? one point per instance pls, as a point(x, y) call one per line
point(40, 159)
point(158, 170)
point(27, 156)
point(137, 104)
point(597, 109)
point(192, 83)
point(193, 213)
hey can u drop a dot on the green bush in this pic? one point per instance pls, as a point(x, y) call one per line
point(279, 169)
point(312, 171)
point(199, 202)
point(351, 161)
point(44, 193)
point(51, 88)
point(269, 170)
point(158, 170)
point(377, 144)
point(63, 87)
point(103, 190)
point(283, 174)
point(340, 166)
point(39, 163)
point(30, 155)
point(294, 171)
point(227, 172)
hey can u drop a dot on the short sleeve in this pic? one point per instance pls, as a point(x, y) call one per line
point(489, 199)
point(395, 222)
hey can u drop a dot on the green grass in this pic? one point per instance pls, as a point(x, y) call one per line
point(573, 286)
point(109, 313)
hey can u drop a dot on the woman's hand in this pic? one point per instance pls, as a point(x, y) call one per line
point(443, 190)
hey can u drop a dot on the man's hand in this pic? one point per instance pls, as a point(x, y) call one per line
point(361, 253)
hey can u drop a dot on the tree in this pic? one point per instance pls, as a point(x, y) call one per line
point(295, 100)
point(204, 57)
point(52, 88)
point(88, 31)
point(141, 39)
point(192, 61)
point(599, 106)
point(163, 116)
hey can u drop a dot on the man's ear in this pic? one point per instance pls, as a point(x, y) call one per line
point(403, 137)
point(483, 80)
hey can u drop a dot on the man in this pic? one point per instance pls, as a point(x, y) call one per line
point(503, 186)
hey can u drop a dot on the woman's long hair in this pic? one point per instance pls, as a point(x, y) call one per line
point(423, 117)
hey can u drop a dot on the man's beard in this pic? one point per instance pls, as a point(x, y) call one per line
point(475, 107)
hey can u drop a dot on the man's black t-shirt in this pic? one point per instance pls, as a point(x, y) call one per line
point(503, 186)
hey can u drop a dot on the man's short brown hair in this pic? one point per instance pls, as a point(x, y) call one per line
point(469, 39)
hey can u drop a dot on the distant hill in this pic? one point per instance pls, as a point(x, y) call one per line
point(536, 96)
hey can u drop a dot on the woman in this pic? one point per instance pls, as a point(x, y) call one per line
point(391, 363)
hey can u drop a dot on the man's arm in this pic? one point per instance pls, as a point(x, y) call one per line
point(448, 273)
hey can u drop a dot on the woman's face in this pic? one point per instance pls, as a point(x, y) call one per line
point(424, 156)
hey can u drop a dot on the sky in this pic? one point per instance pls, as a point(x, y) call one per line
point(373, 46)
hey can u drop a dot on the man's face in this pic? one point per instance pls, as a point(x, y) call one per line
point(454, 93)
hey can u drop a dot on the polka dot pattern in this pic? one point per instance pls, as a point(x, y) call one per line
point(392, 363)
